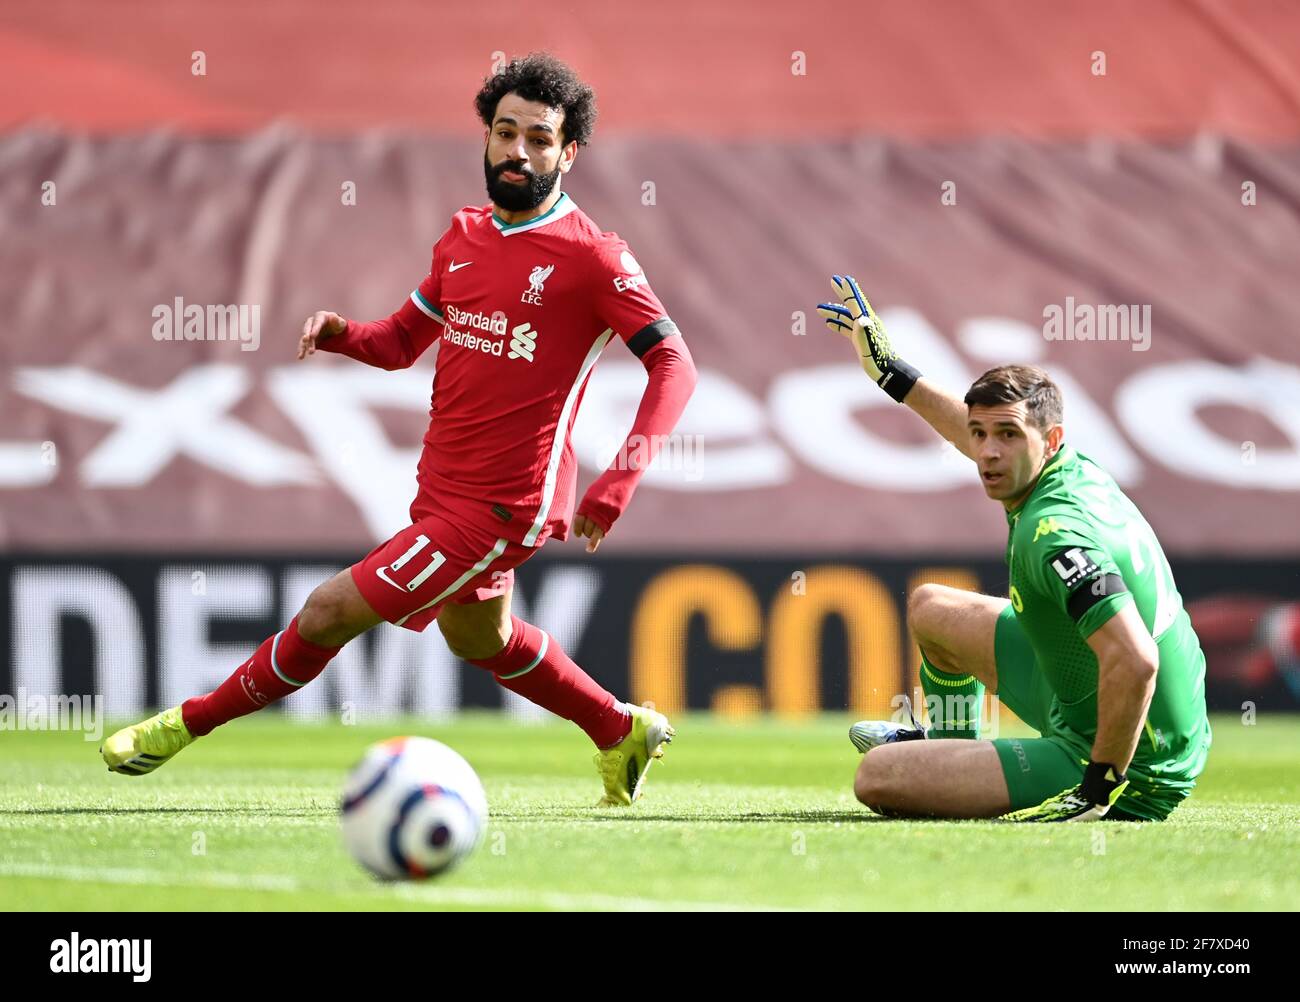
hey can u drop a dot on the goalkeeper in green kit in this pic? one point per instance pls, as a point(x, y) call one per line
point(1092, 649)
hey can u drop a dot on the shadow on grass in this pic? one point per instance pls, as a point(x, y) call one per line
point(618, 816)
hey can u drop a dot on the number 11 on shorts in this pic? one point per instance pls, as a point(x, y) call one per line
point(436, 560)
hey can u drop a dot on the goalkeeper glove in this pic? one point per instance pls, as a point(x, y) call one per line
point(854, 318)
point(1089, 801)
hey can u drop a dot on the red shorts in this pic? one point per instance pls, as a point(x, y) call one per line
point(437, 560)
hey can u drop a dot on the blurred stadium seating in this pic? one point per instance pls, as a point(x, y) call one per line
point(164, 504)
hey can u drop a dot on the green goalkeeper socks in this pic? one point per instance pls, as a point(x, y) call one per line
point(953, 702)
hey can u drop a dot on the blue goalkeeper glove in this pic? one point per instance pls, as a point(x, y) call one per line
point(1089, 801)
point(855, 319)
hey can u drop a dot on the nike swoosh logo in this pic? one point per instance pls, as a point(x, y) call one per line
point(382, 572)
point(456, 267)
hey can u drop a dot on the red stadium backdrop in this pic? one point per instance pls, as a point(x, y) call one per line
point(169, 494)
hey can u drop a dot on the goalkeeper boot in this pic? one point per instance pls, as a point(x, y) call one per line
point(143, 747)
point(623, 767)
point(868, 734)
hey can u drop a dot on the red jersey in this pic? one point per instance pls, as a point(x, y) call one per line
point(522, 313)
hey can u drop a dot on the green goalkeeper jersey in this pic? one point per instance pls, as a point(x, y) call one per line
point(1079, 551)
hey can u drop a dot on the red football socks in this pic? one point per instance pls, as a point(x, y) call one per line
point(533, 665)
point(283, 664)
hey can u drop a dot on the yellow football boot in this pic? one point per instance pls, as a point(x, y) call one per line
point(143, 747)
point(623, 767)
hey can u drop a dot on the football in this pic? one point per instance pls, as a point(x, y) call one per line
point(412, 808)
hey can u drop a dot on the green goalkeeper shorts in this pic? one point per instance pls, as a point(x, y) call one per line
point(1042, 767)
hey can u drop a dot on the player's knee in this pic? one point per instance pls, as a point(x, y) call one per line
point(324, 618)
point(922, 606)
point(930, 608)
point(471, 641)
point(922, 603)
point(872, 782)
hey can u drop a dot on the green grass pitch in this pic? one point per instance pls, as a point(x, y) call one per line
point(754, 814)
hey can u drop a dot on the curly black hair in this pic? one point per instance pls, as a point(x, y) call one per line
point(539, 76)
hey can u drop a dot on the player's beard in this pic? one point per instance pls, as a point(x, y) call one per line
point(518, 197)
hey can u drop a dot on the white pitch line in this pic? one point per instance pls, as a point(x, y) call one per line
point(481, 897)
point(233, 881)
point(566, 902)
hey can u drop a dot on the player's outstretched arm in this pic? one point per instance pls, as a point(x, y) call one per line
point(319, 325)
point(945, 412)
point(672, 378)
point(854, 318)
point(392, 343)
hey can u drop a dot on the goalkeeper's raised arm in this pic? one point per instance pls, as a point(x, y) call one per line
point(854, 318)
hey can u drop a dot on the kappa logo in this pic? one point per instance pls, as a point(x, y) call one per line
point(536, 280)
point(1045, 526)
point(523, 341)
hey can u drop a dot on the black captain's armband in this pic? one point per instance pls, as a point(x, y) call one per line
point(650, 335)
point(1083, 579)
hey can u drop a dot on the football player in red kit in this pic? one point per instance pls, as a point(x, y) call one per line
point(523, 295)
